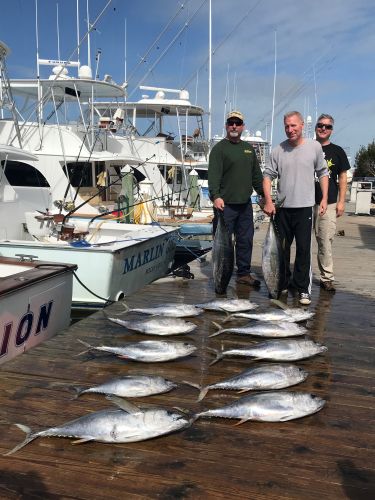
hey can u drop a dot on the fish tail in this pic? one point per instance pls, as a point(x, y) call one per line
point(278, 303)
point(191, 384)
point(219, 331)
point(203, 393)
point(126, 307)
point(89, 347)
point(29, 437)
point(228, 318)
point(219, 356)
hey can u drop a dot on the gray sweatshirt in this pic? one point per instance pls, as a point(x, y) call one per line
point(295, 169)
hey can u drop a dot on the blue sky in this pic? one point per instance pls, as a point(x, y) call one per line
point(325, 54)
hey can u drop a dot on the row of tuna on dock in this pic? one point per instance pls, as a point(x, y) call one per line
point(130, 422)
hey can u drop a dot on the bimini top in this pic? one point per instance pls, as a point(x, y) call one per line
point(158, 105)
point(69, 88)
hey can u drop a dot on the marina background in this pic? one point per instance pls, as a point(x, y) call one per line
point(324, 54)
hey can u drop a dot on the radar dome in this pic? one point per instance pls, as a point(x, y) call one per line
point(85, 73)
point(60, 70)
point(184, 95)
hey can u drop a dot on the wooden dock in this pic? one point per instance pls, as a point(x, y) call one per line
point(329, 455)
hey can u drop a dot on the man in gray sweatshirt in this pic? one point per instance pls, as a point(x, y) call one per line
point(294, 163)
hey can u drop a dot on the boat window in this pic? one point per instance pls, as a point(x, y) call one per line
point(19, 173)
point(202, 174)
point(80, 173)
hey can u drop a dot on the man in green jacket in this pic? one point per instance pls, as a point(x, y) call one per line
point(233, 174)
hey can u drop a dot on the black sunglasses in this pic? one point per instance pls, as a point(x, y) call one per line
point(323, 125)
point(235, 122)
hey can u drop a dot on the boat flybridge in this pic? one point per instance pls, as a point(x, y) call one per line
point(166, 122)
point(51, 205)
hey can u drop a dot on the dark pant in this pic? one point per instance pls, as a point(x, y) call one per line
point(239, 221)
point(296, 223)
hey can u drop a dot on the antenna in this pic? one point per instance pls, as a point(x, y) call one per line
point(226, 98)
point(209, 70)
point(78, 44)
point(274, 91)
point(316, 96)
point(58, 31)
point(88, 36)
point(125, 53)
point(39, 109)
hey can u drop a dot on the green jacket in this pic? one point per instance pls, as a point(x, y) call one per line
point(233, 172)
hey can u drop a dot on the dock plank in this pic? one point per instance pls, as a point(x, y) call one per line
point(328, 455)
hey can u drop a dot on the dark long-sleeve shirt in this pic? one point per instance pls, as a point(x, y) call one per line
point(233, 172)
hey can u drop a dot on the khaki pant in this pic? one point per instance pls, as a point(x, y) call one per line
point(325, 229)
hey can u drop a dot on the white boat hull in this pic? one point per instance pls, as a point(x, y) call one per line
point(35, 304)
point(110, 270)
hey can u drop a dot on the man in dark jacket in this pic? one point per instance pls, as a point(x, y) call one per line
point(233, 174)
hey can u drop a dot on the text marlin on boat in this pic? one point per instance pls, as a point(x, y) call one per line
point(142, 258)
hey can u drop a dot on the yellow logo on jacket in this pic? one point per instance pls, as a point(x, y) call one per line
point(247, 151)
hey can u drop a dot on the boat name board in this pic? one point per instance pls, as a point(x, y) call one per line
point(142, 258)
point(25, 327)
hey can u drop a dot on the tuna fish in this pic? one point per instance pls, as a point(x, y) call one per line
point(259, 378)
point(125, 425)
point(131, 386)
point(275, 350)
point(170, 310)
point(222, 255)
point(264, 329)
point(269, 407)
point(157, 326)
point(148, 351)
point(292, 315)
point(228, 305)
point(273, 261)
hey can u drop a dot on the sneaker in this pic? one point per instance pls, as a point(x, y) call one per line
point(304, 298)
point(249, 280)
point(327, 286)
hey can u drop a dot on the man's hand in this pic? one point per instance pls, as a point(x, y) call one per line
point(269, 208)
point(340, 209)
point(323, 207)
point(219, 204)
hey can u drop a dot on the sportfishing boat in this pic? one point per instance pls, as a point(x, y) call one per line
point(35, 303)
point(47, 212)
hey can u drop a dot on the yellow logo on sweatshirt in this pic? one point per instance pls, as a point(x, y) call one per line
point(247, 151)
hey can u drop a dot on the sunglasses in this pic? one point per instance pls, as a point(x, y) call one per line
point(323, 125)
point(234, 122)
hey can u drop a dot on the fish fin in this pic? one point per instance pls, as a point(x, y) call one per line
point(123, 404)
point(29, 437)
point(242, 421)
point(182, 410)
point(243, 390)
point(80, 441)
point(280, 304)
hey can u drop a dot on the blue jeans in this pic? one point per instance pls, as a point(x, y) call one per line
point(239, 221)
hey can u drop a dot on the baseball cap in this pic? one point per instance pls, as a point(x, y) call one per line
point(235, 114)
